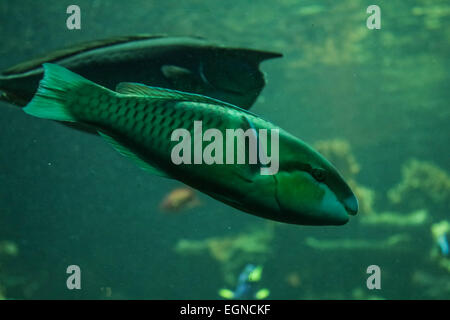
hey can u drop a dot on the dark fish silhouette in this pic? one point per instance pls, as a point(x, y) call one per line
point(182, 63)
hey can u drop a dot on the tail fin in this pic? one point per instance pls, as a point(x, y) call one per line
point(51, 99)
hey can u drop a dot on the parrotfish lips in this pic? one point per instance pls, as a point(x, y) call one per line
point(351, 204)
point(332, 211)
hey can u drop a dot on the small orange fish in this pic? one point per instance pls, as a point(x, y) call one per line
point(180, 199)
point(293, 279)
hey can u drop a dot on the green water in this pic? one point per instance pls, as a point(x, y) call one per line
point(374, 102)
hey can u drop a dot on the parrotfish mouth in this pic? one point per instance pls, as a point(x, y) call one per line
point(351, 205)
point(333, 211)
point(341, 208)
point(321, 207)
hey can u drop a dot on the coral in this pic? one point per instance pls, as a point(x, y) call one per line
point(339, 43)
point(416, 218)
point(360, 294)
point(432, 14)
point(395, 241)
point(232, 252)
point(432, 285)
point(423, 185)
point(8, 248)
point(339, 153)
point(365, 196)
point(223, 249)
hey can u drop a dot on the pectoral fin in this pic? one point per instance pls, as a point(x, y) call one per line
point(175, 72)
point(132, 88)
point(248, 124)
point(123, 150)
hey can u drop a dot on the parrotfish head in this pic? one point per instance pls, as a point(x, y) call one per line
point(310, 191)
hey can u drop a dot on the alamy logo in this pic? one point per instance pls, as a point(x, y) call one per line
point(374, 20)
point(374, 280)
point(73, 22)
point(74, 280)
point(213, 153)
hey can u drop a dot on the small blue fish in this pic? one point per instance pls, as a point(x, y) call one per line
point(246, 288)
point(443, 244)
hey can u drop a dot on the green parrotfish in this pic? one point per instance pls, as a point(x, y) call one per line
point(139, 121)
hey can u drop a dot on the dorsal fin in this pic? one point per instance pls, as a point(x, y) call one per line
point(131, 88)
point(70, 51)
point(174, 72)
point(254, 55)
point(138, 89)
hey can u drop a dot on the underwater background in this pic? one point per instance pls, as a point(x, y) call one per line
point(373, 102)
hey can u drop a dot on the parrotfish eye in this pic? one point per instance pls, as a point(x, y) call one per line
point(319, 174)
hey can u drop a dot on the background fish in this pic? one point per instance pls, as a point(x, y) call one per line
point(246, 286)
point(182, 63)
point(179, 199)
